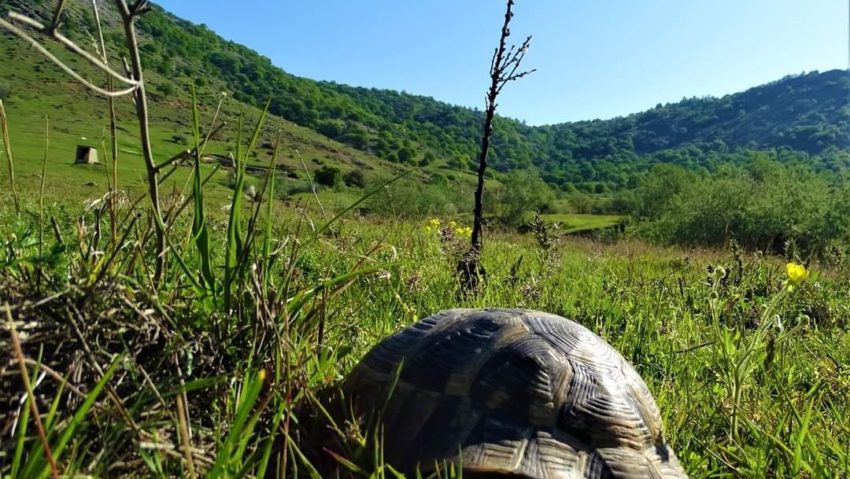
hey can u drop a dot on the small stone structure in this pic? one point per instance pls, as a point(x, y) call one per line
point(86, 155)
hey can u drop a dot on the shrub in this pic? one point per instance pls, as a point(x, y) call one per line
point(5, 90)
point(415, 199)
point(355, 179)
point(166, 88)
point(763, 206)
point(328, 176)
point(522, 194)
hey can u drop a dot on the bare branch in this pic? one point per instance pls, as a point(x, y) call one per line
point(140, 99)
point(140, 7)
point(102, 43)
point(57, 14)
point(504, 68)
point(20, 33)
point(73, 47)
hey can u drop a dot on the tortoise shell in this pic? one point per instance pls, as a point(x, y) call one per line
point(510, 392)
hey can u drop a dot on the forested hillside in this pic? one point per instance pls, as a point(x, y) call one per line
point(808, 113)
point(805, 117)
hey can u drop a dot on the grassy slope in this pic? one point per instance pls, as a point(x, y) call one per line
point(78, 116)
point(39, 89)
point(803, 113)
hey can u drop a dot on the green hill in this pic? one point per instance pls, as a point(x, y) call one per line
point(798, 118)
point(807, 113)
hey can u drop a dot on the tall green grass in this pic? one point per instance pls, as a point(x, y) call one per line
point(219, 368)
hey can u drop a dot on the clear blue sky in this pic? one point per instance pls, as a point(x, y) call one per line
point(594, 58)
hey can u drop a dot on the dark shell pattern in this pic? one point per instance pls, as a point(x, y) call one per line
point(511, 392)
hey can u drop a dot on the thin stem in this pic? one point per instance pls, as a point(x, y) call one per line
point(57, 14)
point(128, 19)
point(113, 130)
point(41, 191)
point(503, 69)
point(4, 125)
point(498, 79)
point(183, 424)
point(312, 185)
point(25, 377)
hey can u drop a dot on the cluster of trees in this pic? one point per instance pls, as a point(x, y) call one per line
point(806, 114)
point(412, 198)
point(763, 205)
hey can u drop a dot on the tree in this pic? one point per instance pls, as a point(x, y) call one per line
point(658, 189)
point(405, 155)
point(523, 193)
point(428, 158)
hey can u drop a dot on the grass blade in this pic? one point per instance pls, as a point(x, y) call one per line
point(199, 225)
point(4, 126)
point(267, 234)
point(22, 434)
point(81, 412)
point(229, 450)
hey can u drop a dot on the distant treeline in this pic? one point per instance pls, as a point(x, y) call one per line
point(762, 205)
point(804, 115)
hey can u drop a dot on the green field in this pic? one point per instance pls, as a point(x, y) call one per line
point(750, 375)
point(214, 353)
point(575, 223)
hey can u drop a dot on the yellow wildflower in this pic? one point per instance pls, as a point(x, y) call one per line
point(464, 231)
point(796, 273)
point(452, 224)
point(435, 222)
point(261, 374)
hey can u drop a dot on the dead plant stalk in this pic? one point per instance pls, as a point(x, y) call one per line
point(504, 68)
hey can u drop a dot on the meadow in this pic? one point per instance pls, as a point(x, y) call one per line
point(210, 354)
point(748, 366)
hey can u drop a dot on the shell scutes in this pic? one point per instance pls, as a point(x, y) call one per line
point(510, 391)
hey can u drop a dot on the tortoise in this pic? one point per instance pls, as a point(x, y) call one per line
point(510, 392)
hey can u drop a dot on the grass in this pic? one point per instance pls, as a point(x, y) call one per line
point(741, 396)
point(575, 223)
point(217, 369)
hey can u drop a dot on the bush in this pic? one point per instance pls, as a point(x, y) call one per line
point(5, 90)
point(328, 176)
point(428, 158)
point(522, 193)
point(764, 206)
point(166, 89)
point(415, 199)
point(354, 179)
